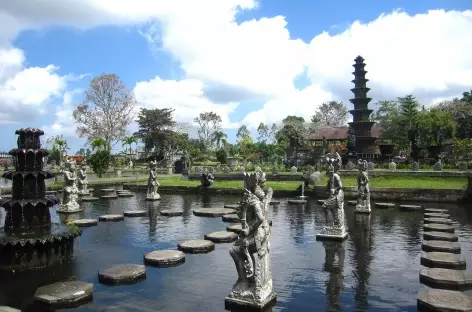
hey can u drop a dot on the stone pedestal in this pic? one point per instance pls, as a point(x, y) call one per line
point(332, 233)
point(236, 304)
point(153, 196)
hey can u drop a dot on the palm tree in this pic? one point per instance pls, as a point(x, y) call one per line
point(129, 140)
point(100, 144)
point(218, 137)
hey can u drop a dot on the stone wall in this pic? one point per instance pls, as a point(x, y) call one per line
point(240, 177)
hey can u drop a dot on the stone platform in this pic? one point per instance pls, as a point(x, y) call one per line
point(231, 218)
point(235, 304)
point(171, 213)
point(352, 202)
point(446, 278)
point(297, 201)
point(164, 258)
point(443, 260)
point(221, 237)
point(111, 217)
point(89, 199)
point(438, 221)
point(440, 236)
point(384, 205)
point(232, 206)
point(135, 213)
point(63, 295)
point(434, 227)
point(122, 274)
point(213, 212)
point(441, 246)
point(435, 210)
point(114, 196)
point(85, 222)
point(196, 246)
point(443, 300)
point(410, 207)
point(436, 215)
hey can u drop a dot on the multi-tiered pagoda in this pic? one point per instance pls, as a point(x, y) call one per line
point(361, 124)
point(28, 239)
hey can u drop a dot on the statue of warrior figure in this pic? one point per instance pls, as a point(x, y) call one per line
point(334, 205)
point(153, 184)
point(70, 190)
point(251, 251)
point(363, 191)
point(82, 178)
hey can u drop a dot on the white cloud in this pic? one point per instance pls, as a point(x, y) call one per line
point(64, 122)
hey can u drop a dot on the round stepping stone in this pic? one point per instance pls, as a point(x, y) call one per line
point(232, 206)
point(435, 210)
point(231, 218)
point(441, 246)
point(440, 236)
point(384, 205)
point(171, 213)
point(438, 221)
point(122, 274)
point(352, 202)
point(446, 278)
point(434, 227)
point(436, 215)
point(164, 258)
point(109, 197)
point(221, 237)
point(107, 190)
point(321, 201)
point(443, 300)
point(236, 228)
point(63, 295)
point(89, 199)
point(85, 194)
point(85, 222)
point(443, 260)
point(410, 207)
point(8, 309)
point(111, 217)
point(297, 201)
point(197, 246)
point(125, 194)
point(135, 213)
point(274, 202)
point(212, 212)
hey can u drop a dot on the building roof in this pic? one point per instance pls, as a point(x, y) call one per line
point(338, 133)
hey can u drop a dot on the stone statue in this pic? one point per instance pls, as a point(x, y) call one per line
point(153, 184)
point(334, 205)
point(311, 176)
point(207, 178)
point(351, 141)
point(251, 251)
point(363, 191)
point(82, 179)
point(70, 191)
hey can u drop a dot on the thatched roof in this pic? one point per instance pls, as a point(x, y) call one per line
point(338, 133)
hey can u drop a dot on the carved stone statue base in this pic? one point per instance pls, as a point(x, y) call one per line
point(332, 233)
point(84, 193)
point(69, 208)
point(236, 304)
point(363, 209)
point(154, 196)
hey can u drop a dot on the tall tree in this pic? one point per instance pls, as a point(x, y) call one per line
point(388, 116)
point(219, 138)
point(330, 114)
point(100, 144)
point(461, 110)
point(263, 133)
point(107, 110)
point(58, 143)
point(273, 133)
point(243, 132)
point(208, 123)
point(129, 141)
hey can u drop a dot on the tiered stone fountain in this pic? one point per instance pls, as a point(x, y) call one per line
point(28, 239)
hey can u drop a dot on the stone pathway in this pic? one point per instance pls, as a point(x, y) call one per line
point(85, 222)
point(171, 213)
point(196, 246)
point(164, 258)
point(231, 218)
point(114, 196)
point(63, 295)
point(410, 207)
point(124, 194)
point(111, 217)
point(135, 213)
point(122, 274)
point(222, 237)
point(384, 205)
point(297, 201)
point(443, 268)
point(213, 212)
point(232, 206)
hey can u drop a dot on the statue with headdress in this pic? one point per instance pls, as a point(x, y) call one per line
point(334, 206)
point(207, 178)
point(82, 181)
point(153, 184)
point(363, 191)
point(351, 141)
point(251, 251)
point(70, 191)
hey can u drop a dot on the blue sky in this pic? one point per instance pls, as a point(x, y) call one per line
point(121, 48)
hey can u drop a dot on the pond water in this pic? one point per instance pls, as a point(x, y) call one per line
point(379, 271)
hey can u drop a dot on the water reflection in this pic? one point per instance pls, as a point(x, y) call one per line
point(334, 265)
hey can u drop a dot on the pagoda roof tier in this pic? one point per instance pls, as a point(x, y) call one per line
point(364, 123)
point(353, 111)
point(30, 130)
point(359, 71)
point(360, 100)
point(9, 203)
point(360, 79)
point(366, 138)
point(11, 174)
point(18, 151)
point(360, 88)
point(338, 133)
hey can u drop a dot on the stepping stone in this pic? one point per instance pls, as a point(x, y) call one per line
point(438, 221)
point(107, 190)
point(297, 201)
point(85, 194)
point(232, 206)
point(122, 274)
point(443, 260)
point(436, 215)
point(111, 217)
point(441, 246)
point(109, 197)
point(274, 202)
point(125, 194)
point(212, 212)
point(135, 213)
point(164, 258)
point(197, 246)
point(434, 227)
point(85, 222)
point(440, 236)
point(352, 202)
point(446, 279)
point(410, 207)
point(435, 210)
point(443, 300)
point(89, 199)
point(384, 205)
point(321, 201)
point(63, 295)
point(221, 237)
point(171, 213)
point(236, 228)
point(8, 309)
point(231, 218)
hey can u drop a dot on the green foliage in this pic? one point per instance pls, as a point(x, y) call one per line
point(330, 114)
point(461, 110)
point(243, 132)
point(463, 149)
point(245, 145)
point(263, 133)
point(221, 155)
point(100, 161)
point(208, 124)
